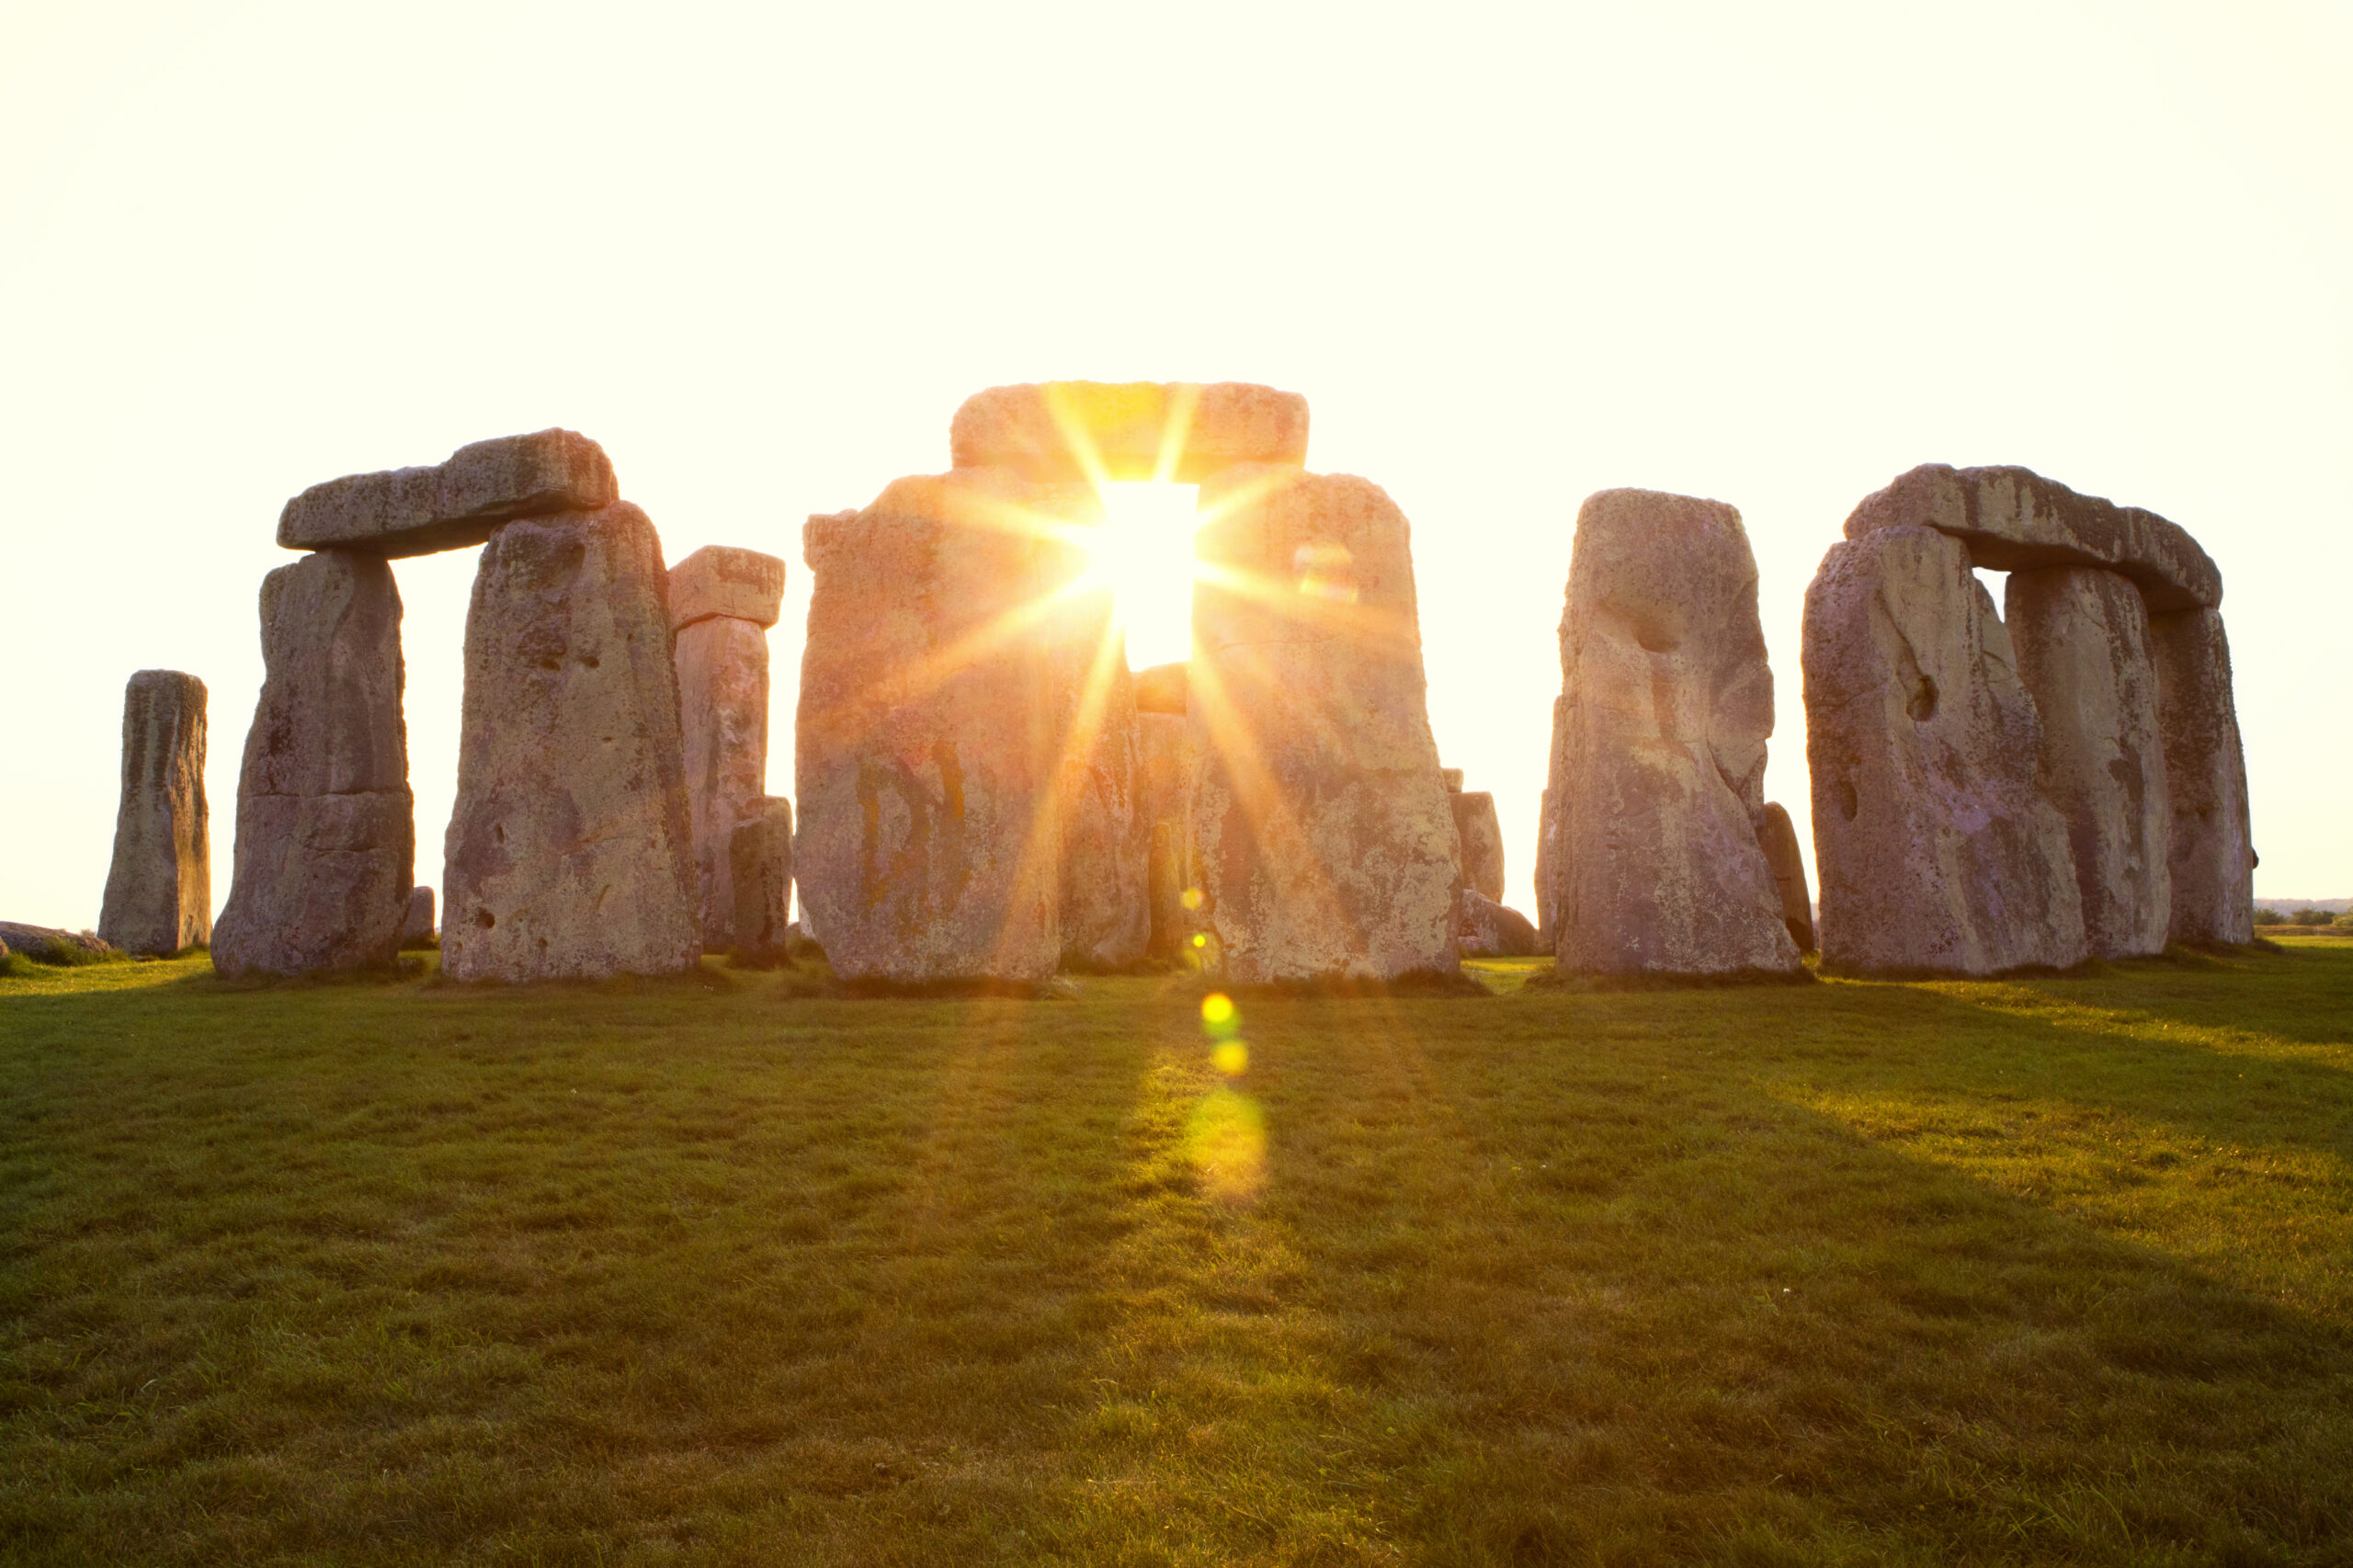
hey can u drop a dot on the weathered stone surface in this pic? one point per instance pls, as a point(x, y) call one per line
point(1032, 429)
point(1165, 759)
point(326, 831)
point(1482, 840)
point(569, 854)
point(159, 888)
point(454, 504)
point(926, 762)
point(760, 863)
point(1658, 765)
point(1778, 836)
point(720, 579)
point(51, 944)
point(2211, 859)
point(1326, 845)
point(2014, 519)
point(2082, 639)
point(1548, 836)
point(1488, 929)
point(1452, 778)
point(1105, 916)
point(1160, 688)
point(418, 925)
point(724, 721)
point(1935, 845)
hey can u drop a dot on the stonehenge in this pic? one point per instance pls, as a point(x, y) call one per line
point(1653, 811)
point(1993, 794)
point(987, 794)
point(159, 887)
point(1327, 844)
point(569, 852)
point(326, 835)
point(723, 602)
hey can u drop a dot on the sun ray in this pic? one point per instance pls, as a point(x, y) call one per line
point(1175, 430)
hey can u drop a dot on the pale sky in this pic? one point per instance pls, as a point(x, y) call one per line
point(1511, 256)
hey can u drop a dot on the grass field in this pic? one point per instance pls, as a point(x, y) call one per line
point(705, 1271)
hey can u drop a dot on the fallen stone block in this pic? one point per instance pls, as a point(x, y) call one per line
point(1778, 836)
point(454, 504)
point(1491, 929)
point(159, 887)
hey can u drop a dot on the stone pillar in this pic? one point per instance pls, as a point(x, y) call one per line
point(2082, 638)
point(924, 761)
point(759, 855)
point(1778, 836)
point(1328, 850)
point(159, 888)
point(326, 835)
point(722, 603)
point(2210, 852)
point(1106, 916)
point(417, 929)
point(1481, 833)
point(1935, 848)
point(569, 853)
point(1659, 748)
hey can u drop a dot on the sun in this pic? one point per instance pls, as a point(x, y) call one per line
point(1143, 554)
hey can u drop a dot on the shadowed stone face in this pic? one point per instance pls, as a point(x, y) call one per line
point(926, 756)
point(760, 856)
point(1327, 844)
point(1935, 845)
point(325, 823)
point(1483, 839)
point(1105, 914)
point(1165, 804)
point(159, 888)
point(1658, 761)
point(569, 854)
point(2082, 639)
point(2211, 860)
point(1778, 836)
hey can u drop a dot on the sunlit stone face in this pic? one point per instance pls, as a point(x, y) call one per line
point(1143, 553)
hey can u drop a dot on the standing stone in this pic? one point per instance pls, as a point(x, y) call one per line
point(327, 834)
point(2210, 858)
point(1778, 836)
point(159, 888)
point(417, 929)
point(722, 603)
point(1492, 930)
point(1935, 845)
point(1327, 848)
point(925, 762)
point(1482, 840)
point(1106, 916)
point(1658, 766)
point(2082, 638)
point(1165, 759)
point(760, 877)
point(1547, 837)
point(569, 853)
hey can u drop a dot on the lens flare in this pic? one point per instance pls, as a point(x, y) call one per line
point(1226, 1140)
point(1231, 1058)
point(1217, 1008)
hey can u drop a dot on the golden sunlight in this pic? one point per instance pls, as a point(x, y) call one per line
point(1143, 553)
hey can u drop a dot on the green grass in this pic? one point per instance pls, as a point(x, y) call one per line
point(708, 1271)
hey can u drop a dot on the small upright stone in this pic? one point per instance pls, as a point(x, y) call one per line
point(1452, 778)
point(569, 853)
point(2082, 638)
point(1936, 847)
point(722, 602)
point(1658, 748)
point(416, 930)
point(1482, 840)
point(1164, 803)
point(454, 504)
point(1327, 849)
point(2210, 859)
point(760, 860)
point(326, 829)
point(1779, 837)
point(1106, 916)
point(159, 888)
